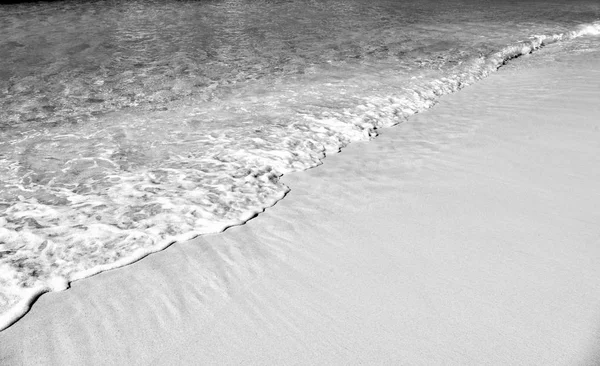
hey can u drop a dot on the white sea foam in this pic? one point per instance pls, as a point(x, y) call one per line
point(94, 212)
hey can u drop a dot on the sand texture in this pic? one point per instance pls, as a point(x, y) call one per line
point(468, 235)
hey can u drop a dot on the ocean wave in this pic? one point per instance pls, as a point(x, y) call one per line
point(102, 209)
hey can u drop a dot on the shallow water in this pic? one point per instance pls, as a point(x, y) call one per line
point(128, 125)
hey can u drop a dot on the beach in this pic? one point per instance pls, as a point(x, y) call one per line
point(465, 235)
point(126, 126)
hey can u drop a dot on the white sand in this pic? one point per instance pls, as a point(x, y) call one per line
point(469, 235)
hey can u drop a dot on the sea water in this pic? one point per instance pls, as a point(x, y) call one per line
point(128, 125)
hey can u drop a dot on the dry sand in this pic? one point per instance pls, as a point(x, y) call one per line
point(468, 235)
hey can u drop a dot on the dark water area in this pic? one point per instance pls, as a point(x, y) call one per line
point(127, 125)
point(73, 60)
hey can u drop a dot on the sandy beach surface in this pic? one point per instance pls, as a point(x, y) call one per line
point(468, 235)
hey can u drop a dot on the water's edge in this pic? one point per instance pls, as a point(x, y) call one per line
point(475, 70)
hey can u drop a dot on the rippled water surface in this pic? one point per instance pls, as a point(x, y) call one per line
point(126, 125)
point(64, 62)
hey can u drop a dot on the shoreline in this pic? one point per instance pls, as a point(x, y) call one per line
point(479, 69)
point(443, 240)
